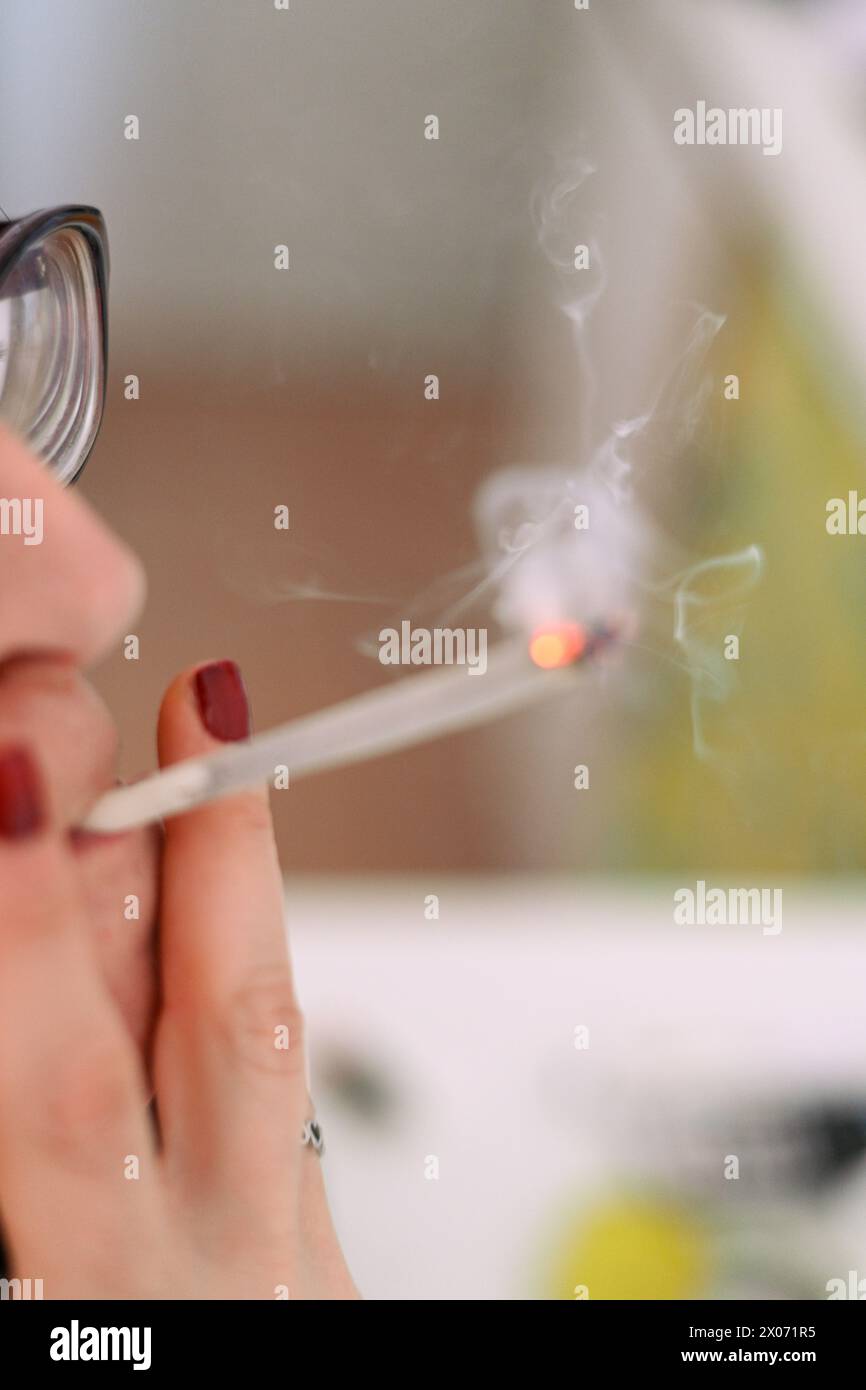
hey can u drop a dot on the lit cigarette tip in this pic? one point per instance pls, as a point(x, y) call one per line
point(550, 647)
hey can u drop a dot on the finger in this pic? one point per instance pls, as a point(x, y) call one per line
point(72, 1107)
point(229, 1058)
point(119, 878)
point(221, 871)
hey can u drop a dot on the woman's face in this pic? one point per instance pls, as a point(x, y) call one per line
point(64, 602)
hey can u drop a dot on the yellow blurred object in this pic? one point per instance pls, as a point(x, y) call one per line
point(784, 787)
point(631, 1248)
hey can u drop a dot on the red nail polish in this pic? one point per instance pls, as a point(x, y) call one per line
point(21, 800)
point(222, 701)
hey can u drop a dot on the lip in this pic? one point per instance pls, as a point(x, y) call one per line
point(85, 841)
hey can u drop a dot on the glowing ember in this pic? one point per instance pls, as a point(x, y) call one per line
point(558, 646)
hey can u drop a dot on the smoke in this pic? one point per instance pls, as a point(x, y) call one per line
point(301, 574)
point(574, 541)
point(559, 216)
point(709, 611)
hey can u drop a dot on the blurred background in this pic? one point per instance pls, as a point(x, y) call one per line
point(454, 1036)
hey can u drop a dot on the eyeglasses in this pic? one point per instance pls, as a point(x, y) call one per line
point(54, 332)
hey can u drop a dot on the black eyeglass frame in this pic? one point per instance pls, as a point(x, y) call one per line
point(18, 234)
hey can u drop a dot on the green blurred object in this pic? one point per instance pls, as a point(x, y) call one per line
point(785, 787)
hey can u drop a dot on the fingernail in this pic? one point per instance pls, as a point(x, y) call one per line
point(21, 800)
point(222, 701)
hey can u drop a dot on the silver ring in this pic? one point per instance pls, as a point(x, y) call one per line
point(312, 1134)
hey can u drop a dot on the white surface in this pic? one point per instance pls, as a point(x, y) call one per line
point(473, 1016)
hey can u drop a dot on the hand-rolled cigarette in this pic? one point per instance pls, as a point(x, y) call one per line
point(412, 710)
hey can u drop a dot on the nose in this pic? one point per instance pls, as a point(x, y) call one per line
point(66, 583)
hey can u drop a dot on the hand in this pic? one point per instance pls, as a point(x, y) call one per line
point(226, 1203)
